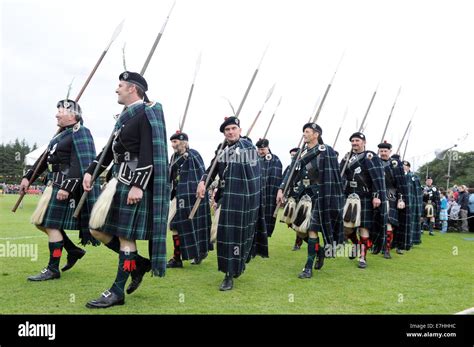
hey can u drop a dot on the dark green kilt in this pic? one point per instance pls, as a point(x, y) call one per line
point(315, 224)
point(366, 212)
point(59, 214)
point(132, 222)
point(393, 212)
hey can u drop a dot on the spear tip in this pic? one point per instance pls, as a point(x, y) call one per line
point(116, 33)
point(263, 55)
point(167, 18)
point(270, 92)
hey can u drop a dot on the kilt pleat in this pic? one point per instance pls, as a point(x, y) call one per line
point(59, 214)
point(132, 222)
point(366, 213)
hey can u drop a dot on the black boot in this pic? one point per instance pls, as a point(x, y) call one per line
point(176, 260)
point(362, 263)
point(298, 243)
point(198, 260)
point(69, 246)
point(306, 273)
point(227, 283)
point(72, 257)
point(174, 263)
point(143, 266)
point(74, 253)
point(319, 258)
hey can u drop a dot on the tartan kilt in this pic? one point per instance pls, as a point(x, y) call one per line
point(132, 222)
point(393, 213)
point(367, 212)
point(315, 224)
point(59, 214)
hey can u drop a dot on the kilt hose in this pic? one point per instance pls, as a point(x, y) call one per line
point(59, 214)
point(131, 222)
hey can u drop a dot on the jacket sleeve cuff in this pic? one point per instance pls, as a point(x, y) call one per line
point(70, 184)
point(28, 174)
point(90, 170)
point(141, 177)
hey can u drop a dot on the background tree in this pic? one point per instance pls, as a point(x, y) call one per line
point(462, 170)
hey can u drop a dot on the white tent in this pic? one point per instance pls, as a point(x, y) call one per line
point(33, 156)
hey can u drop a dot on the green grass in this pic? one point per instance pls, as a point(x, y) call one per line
point(429, 279)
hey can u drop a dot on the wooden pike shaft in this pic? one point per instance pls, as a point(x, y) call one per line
point(360, 129)
point(78, 97)
point(298, 155)
point(214, 163)
point(111, 137)
point(390, 115)
point(269, 94)
point(271, 120)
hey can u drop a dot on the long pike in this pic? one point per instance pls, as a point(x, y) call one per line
point(214, 163)
point(109, 142)
point(86, 83)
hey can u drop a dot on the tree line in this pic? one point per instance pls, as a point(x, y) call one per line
point(12, 160)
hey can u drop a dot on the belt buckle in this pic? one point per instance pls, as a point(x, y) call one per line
point(353, 184)
point(306, 182)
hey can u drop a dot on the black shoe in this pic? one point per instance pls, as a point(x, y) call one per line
point(227, 283)
point(362, 264)
point(107, 299)
point(296, 248)
point(73, 257)
point(320, 261)
point(306, 273)
point(386, 254)
point(174, 263)
point(143, 266)
point(399, 251)
point(353, 253)
point(198, 260)
point(46, 274)
point(431, 233)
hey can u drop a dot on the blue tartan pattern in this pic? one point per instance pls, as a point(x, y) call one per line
point(373, 219)
point(156, 202)
point(194, 235)
point(415, 193)
point(401, 233)
point(271, 179)
point(328, 201)
point(161, 187)
point(240, 204)
point(132, 222)
point(59, 214)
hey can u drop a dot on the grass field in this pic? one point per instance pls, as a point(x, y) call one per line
point(436, 277)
